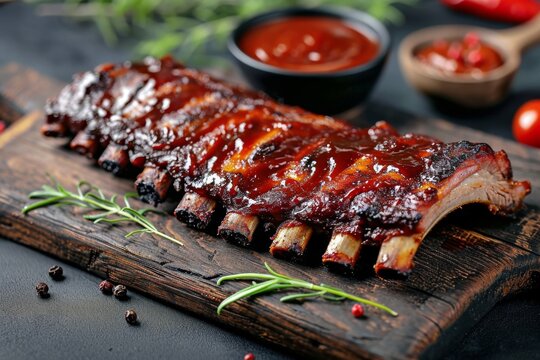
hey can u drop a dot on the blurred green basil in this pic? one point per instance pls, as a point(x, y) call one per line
point(193, 30)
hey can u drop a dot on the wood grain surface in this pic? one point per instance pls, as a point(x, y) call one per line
point(467, 263)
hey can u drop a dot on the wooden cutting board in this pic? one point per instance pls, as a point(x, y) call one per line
point(467, 263)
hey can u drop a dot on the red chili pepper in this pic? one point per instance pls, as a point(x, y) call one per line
point(514, 11)
point(2, 126)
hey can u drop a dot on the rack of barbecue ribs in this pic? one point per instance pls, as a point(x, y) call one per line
point(273, 167)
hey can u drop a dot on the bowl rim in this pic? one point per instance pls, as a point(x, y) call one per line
point(340, 12)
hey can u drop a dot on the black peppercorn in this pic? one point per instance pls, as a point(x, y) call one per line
point(106, 287)
point(120, 292)
point(131, 317)
point(42, 290)
point(56, 272)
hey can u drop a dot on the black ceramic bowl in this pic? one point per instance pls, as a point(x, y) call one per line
point(324, 92)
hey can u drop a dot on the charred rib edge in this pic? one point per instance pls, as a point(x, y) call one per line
point(195, 210)
point(153, 184)
point(238, 228)
point(84, 144)
point(55, 129)
point(114, 159)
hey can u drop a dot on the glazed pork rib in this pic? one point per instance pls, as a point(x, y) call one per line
point(274, 167)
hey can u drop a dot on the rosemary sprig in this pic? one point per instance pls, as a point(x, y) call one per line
point(106, 210)
point(274, 281)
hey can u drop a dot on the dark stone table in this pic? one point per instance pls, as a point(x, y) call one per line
point(78, 322)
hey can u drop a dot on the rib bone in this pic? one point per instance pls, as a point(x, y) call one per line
point(152, 185)
point(84, 144)
point(195, 210)
point(291, 239)
point(343, 251)
point(55, 129)
point(238, 228)
point(114, 159)
point(396, 254)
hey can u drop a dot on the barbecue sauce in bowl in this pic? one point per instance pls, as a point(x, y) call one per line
point(310, 44)
point(467, 56)
point(325, 60)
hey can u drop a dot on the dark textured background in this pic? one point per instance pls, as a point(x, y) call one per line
point(78, 322)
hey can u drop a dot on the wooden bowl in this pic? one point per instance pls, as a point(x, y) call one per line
point(464, 89)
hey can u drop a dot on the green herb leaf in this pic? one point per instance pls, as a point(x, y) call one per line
point(274, 281)
point(191, 29)
point(108, 211)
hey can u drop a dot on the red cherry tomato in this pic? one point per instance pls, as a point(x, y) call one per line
point(526, 125)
